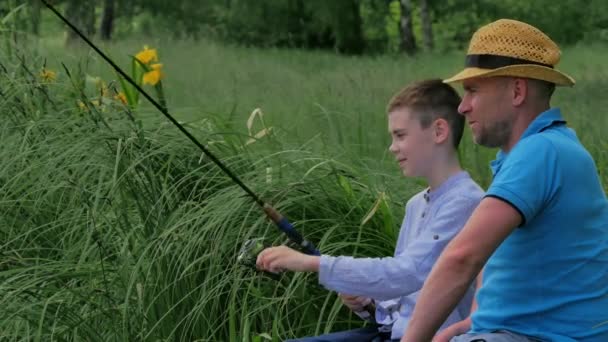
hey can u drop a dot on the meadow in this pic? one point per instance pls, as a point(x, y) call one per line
point(114, 227)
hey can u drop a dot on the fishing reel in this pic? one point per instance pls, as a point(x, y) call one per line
point(249, 251)
point(248, 255)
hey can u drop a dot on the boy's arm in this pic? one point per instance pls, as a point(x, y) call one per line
point(489, 225)
point(381, 278)
point(280, 258)
point(275, 259)
point(393, 277)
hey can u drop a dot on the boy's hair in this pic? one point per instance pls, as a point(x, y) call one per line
point(430, 100)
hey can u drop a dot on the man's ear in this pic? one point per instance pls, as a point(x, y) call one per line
point(520, 90)
point(441, 130)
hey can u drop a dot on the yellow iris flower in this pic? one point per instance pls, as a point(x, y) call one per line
point(48, 75)
point(153, 76)
point(103, 88)
point(147, 55)
point(121, 97)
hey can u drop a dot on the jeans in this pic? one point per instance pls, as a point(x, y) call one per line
point(366, 334)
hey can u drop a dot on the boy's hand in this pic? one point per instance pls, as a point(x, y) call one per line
point(355, 303)
point(278, 259)
point(455, 329)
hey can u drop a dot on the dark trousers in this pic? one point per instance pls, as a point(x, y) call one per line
point(367, 334)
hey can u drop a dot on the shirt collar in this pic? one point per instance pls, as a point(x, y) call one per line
point(543, 121)
point(431, 195)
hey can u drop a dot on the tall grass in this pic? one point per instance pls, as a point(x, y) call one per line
point(114, 227)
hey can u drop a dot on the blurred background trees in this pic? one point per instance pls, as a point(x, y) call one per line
point(345, 26)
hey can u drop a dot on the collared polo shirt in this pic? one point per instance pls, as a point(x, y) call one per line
point(549, 278)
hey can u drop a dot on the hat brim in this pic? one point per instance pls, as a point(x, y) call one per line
point(533, 71)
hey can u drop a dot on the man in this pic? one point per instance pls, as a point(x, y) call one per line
point(543, 225)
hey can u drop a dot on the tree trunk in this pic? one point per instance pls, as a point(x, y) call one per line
point(427, 30)
point(408, 43)
point(89, 16)
point(346, 25)
point(81, 13)
point(35, 16)
point(107, 20)
point(351, 39)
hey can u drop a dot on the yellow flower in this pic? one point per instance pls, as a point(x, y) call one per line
point(48, 75)
point(121, 97)
point(81, 105)
point(153, 76)
point(147, 55)
point(103, 88)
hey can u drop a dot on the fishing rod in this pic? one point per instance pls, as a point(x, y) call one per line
point(279, 220)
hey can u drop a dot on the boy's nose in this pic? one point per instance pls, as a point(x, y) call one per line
point(392, 148)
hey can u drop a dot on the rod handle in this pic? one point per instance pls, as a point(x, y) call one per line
point(283, 224)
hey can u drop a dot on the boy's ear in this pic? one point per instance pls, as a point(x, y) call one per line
point(441, 130)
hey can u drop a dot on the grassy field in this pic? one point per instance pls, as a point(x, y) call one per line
point(114, 227)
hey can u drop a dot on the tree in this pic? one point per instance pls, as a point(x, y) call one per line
point(107, 20)
point(427, 30)
point(81, 13)
point(408, 42)
point(347, 26)
point(34, 13)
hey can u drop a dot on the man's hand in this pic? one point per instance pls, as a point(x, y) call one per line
point(278, 259)
point(355, 303)
point(455, 329)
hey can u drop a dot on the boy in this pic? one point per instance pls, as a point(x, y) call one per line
point(426, 129)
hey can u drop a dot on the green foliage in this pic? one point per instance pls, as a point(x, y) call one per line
point(114, 227)
point(118, 229)
point(346, 26)
point(295, 23)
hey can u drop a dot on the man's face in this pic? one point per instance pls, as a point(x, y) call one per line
point(411, 144)
point(487, 108)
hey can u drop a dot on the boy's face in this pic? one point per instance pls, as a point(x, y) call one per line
point(411, 144)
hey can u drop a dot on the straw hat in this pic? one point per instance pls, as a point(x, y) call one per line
point(512, 48)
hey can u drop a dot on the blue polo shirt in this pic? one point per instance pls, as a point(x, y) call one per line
point(549, 278)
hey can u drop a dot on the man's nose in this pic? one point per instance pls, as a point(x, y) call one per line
point(464, 107)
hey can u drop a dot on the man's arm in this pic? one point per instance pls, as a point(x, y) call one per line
point(460, 262)
point(463, 326)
